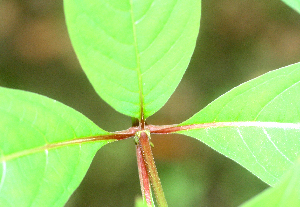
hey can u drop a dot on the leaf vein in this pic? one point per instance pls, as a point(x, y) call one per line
point(144, 15)
point(294, 84)
point(161, 29)
point(269, 138)
point(239, 132)
point(3, 174)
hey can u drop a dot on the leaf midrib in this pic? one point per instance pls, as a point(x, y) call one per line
point(26, 152)
point(138, 67)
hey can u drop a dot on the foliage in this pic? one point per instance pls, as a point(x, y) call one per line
point(295, 4)
point(285, 193)
point(135, 54)
point(43, 158)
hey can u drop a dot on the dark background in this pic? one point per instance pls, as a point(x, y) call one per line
point(238, 41)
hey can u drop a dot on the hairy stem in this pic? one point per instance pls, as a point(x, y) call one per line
point(144, 177)
point(144, 144)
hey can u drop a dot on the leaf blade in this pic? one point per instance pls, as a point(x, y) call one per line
point(41, 164)
point(142, 53)
point(294, 4)
point(285, 193)
point(265, 150)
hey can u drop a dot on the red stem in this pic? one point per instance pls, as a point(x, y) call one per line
point(144, 144)
point(143, 175)
point(167, 129)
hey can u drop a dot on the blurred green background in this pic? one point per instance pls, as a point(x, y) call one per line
point(238, 41)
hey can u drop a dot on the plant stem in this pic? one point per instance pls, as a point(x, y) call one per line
point(144, 177)
point(144, 144)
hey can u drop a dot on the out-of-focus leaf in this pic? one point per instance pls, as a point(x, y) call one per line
point(139, 202)
point(295, 4)
point(257, 124)
point(41, 161)
point(134, 52)
point(285, 193)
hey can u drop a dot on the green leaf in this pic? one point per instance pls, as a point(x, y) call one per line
point(134, 52)
point(295, 4)
point(42, 162)
point(139, 202)
point(285, 193)
point(256, 124)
